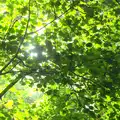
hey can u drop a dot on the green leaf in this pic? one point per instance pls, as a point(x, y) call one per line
point(89, 44)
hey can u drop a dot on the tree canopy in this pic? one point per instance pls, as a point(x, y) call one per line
point(60, 59)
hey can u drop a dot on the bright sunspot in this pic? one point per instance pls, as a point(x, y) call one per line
point(33, 54)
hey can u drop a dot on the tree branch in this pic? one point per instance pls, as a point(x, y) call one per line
point(10, 69)
point(22, 40)
point(9, 86)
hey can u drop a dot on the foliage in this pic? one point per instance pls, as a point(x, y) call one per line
point(68, 51)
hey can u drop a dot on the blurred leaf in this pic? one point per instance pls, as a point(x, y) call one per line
point(9, 104)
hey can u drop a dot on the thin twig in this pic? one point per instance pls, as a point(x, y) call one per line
point(90, 80)
point(81, 76)
point(71, 6)
point(23, 62)
point(75, 93)
point(11, 26)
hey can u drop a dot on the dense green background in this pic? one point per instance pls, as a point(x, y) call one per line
point(60, 59)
